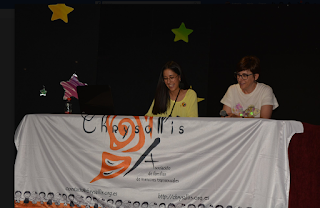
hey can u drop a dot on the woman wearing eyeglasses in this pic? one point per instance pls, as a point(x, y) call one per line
point(173, 94)
point(249, 98)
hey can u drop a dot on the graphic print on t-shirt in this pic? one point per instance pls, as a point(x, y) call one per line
point(251, 111)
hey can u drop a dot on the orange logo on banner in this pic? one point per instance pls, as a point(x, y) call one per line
point(108, 169)
point(116, 145)
point(113, 165)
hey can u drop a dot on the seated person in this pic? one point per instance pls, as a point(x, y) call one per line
point(249, 98)
point(173, 94)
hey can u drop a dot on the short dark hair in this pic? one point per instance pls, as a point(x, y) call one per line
point(251, 63)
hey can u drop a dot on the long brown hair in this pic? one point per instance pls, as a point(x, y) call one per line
point(162, 96)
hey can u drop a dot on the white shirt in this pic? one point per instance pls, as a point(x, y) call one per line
point(249, 105)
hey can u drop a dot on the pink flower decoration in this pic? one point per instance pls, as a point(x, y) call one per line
point(70, 87)
point(239, 106)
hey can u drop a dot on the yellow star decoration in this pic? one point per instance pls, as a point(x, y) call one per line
point(60, 11)
point(198, 99)
point(181, 33)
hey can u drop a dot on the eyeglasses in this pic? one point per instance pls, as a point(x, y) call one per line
point(171, 78)
point(243, 76)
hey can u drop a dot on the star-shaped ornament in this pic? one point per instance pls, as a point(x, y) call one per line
point(70, 87)
point(60, 11)
point(181, 33)
point(43, 92)
point(198, 99)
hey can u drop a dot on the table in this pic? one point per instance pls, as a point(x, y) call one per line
point(87, 161)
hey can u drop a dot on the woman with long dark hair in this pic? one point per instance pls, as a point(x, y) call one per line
point(173, 94)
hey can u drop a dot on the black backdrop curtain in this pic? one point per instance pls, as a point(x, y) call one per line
point(125, 46)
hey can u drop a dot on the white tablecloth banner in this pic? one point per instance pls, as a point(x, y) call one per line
point(131, 161)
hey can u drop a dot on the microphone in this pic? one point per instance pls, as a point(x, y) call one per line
point(223, 113)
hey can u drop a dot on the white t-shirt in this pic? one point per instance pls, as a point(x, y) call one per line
point(249, 105)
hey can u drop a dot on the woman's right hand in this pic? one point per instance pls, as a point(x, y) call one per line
point(231, 115)
point(229, 112)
